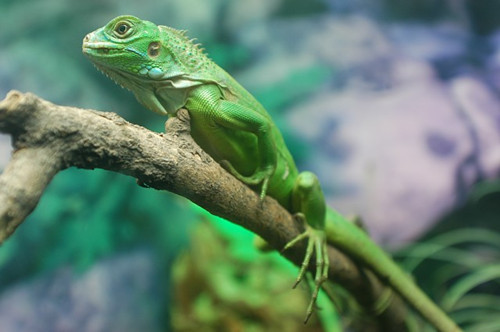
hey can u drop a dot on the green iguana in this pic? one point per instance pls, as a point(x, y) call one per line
point(167, 71)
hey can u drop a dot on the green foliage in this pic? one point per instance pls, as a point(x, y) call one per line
point(458, 265)
point(85, 216)
point(467, 283)
point(460, 270)
point(223, 283)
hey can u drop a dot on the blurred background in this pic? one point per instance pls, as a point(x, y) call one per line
point(394, 104)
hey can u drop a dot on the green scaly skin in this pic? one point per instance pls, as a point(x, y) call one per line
point(166, 71)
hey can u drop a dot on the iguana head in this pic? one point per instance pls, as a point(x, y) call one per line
point(145, 58)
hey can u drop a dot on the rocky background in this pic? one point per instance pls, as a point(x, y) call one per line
point(395, 105)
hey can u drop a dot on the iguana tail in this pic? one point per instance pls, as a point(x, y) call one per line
point(351, 239)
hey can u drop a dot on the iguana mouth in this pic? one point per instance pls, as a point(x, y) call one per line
point(100, 48)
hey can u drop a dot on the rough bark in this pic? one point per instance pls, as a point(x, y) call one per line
point(48, 138)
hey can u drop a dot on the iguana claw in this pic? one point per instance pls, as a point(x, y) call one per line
point(259, 177)
point(316, 241)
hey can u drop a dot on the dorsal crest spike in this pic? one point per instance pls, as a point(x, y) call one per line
point(178, 32)
point(187, 52)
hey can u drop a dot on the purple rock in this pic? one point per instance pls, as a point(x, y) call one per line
point(117, 294)
point(407, 154)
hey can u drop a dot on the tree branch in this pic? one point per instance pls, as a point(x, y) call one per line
point(49, 138)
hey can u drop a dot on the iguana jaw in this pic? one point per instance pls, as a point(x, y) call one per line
point(125, 80)
point(99, 49)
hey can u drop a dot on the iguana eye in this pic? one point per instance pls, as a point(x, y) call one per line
point(122, 28)
point(154, 49)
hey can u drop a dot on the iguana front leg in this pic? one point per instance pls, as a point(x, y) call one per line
point(308, 203)
point(208, 101)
